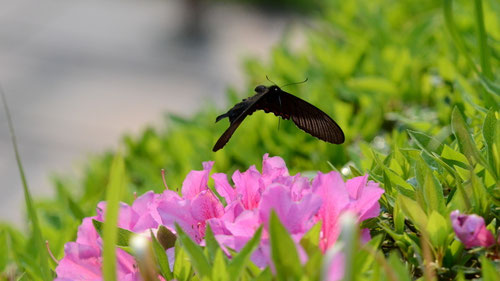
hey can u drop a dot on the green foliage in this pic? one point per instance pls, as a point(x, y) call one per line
point(421, 118)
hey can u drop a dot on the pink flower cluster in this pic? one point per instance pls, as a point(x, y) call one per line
point(234, 213)
point(470, 229)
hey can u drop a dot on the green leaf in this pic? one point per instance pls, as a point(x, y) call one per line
point(430, 188)
point(395, 180)
point(283, 251)
point(399, 219)
point(425, 142)
point(182, 264)
point(480, 194)
point(314, 262)
point(123, 234)
point(491, 127)
point(490, 273)
point(240, 259)
point(195, 253)
point(398, 268)
point(413, 211)
point(265, 275)
point(219, 269)
point(438, 229)
point(110, 231)
point(211, 243)
point(161, 257)
point(4, 253)
point(464, 138)
point(310, 241)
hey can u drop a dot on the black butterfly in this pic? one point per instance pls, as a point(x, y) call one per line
point(272, 99)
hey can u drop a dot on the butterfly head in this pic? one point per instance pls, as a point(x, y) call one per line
point(262, 89)
point(274, 89)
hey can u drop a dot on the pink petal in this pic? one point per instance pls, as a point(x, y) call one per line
point(223, 187)
point(272, 168)
point(87, 235)
point(336, 268)
point(172, 212)
point(296, 216)
point(365, 235)
point(196, 181)
point(245, 224)
point(248, 185)
point(205, 206)
point(80, 262)
point(332, 190)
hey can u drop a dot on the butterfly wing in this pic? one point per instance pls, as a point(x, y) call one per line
point(227, 134)
point(247, 109)
point(305, 115)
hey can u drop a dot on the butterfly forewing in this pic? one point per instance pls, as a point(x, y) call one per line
point(242, 110)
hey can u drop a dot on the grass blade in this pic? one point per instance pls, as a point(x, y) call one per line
point(283, 251)
point(241, 259)
point(459, 43)
point(161, 258)
point(39, 244)
point(195, 253)
point(484, 52)
point(110, 229)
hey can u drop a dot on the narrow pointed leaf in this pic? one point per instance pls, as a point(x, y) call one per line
point(242, 258)
point(123, 237)
point(489, 272)
point(195, 253)
point(110, 231)
point(465, 141)
point(219, 270)
point(491, 136)
point(310, 241)
point(182, 264)
point(283, 251)
point(161, 258)
point(211, 244)
point(39, 241)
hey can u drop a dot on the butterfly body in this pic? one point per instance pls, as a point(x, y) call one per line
point(282, 104)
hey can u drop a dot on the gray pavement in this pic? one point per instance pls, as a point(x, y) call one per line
point(80, 74)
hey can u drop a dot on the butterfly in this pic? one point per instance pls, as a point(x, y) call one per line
point(287, 106)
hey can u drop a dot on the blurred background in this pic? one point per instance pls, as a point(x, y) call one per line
point(80, 74)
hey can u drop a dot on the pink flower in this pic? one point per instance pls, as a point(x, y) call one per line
point(298, 202)
point(470, 229)
point(83, 258)
point(197, 205)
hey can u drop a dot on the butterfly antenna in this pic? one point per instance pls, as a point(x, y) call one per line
point(294, 83)
point(270, 80)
